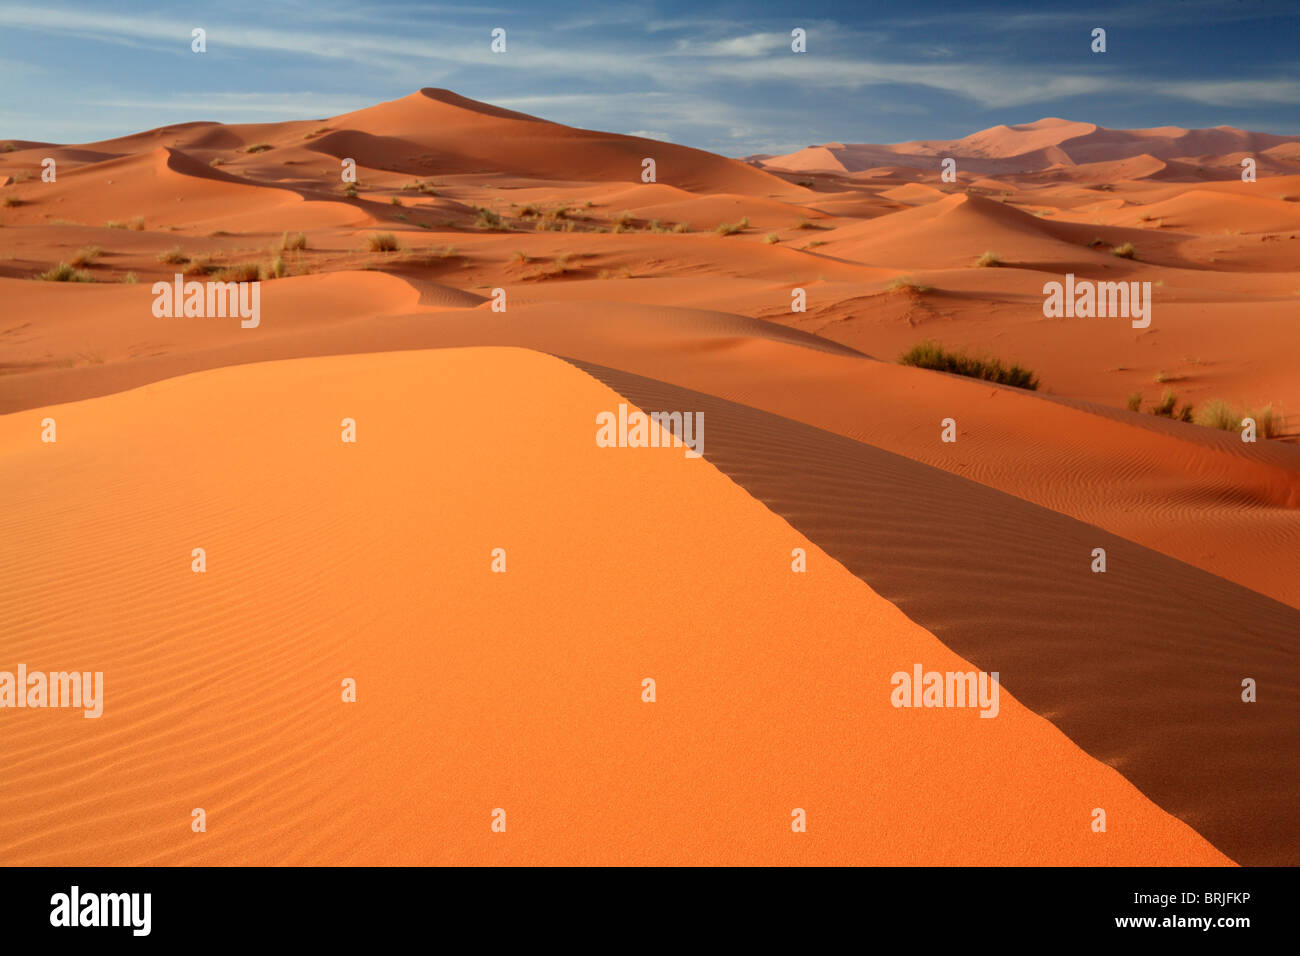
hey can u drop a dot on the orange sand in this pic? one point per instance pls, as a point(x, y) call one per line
point(477, 690)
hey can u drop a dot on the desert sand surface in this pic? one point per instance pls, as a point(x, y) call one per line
point(478, 690)
point(676, 290)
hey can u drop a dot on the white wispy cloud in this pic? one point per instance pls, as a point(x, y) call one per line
point(279, 105)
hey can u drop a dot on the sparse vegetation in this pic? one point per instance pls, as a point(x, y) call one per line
point(395, 201)
point(130, 278)
point(293, 243)
point(988, 260)
point(682, 227)
point(805, 223)
point(624, 220)
point(1126, 251)
point(931, 355)
point(1217, 413)
point(258, 148)
point(382, 242)
point(731, 228)
point(485, 218)
point(85, 256)
point(274, 269)
point(1134, 402)
point(242, 272)
point(216, 161)
point(1166, 407)
point(316, 132)
point(200, 265)
point(65, 273)
point(136, 224)
point(907, 284)
point(11, 201)
point(173, 257)
point(771, 238)
point(10, 148)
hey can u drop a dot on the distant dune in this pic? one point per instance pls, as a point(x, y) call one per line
point(1053, 143)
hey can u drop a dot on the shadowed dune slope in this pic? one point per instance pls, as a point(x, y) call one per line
point(1142, 666)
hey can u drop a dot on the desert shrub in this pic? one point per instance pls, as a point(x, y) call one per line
point(1216, 413)
point(240, 272)
point(1126, 251)
point(85, 256)
point(258, 148)
point(931, 355)
point(382, 242)
point(988, 260)
point(1166, 407)
point(273, 269)
point(200, 265)
point(290, 243)
point(907, 284)
point(485, 218)
point(65, 273)
point(173, 256)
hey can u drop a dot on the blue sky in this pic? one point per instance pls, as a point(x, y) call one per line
point(719, 76)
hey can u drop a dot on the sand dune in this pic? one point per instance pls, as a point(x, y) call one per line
point(459, 135)
point(1015, 593)
point(956, 230)
point(518, 690)
point(1037, 146)
point(678, 290)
